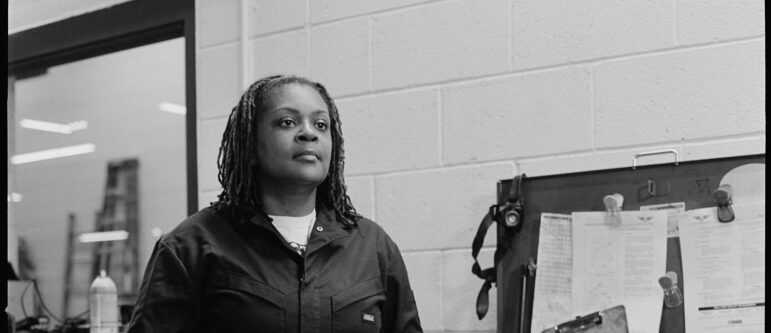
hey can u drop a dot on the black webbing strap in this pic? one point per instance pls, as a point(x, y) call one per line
point(489, 274)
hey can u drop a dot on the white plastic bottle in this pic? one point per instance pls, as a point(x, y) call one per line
point(103, 305)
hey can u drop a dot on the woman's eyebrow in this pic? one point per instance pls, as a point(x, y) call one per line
point(293, 110)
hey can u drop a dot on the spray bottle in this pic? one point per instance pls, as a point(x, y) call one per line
point(103, 305)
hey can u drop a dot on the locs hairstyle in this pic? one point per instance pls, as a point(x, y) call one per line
point(238, 155)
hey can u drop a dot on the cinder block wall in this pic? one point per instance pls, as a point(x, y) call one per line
point(441, 99)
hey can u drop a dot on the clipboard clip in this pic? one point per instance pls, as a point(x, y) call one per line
point(580, 324)
point(673, 297)
point(612, 320)
point(723, 196)
point(613, 203)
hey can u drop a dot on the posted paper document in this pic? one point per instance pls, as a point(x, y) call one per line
point(620, 264)
point(552, 301)
point(724, 269)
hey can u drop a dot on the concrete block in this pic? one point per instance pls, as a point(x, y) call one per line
point(425, 272)
point(391, 132)
point(546, 33)
point(438, 209)
point(460, 288)
point(526, 115)
point(326, 10)
point(269, 16)
point(209, 140)
point(218, 80)
point(361, 190)
point(284, 53)
point(339, 56)
point(716, 148)
point(217, 21)
point(438, 42)
point(686, 95)
point(711, 21)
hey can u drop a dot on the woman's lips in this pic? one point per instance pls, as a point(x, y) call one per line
point(307, 155)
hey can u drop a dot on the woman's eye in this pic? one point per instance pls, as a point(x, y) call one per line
point(322, 125)
point(286, 122)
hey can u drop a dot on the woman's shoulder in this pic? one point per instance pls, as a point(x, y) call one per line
point(372, 229)
point(367, 225)
point(194, 226)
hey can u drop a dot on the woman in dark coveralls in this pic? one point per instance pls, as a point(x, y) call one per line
point(283, 249)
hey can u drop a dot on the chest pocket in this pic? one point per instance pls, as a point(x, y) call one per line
point(241, 304)
point(357, 309)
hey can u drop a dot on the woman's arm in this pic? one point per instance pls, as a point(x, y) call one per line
point(168, 299)
point(400, 313)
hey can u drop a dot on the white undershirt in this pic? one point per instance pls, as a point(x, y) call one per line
point(296, 230)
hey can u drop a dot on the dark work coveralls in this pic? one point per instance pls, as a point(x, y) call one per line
point(213, 275)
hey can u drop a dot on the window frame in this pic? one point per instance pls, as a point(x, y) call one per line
point(120, 27)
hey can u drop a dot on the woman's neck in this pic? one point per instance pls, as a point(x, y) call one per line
point(288, 201)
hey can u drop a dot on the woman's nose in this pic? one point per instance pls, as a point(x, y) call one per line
point(307, 133)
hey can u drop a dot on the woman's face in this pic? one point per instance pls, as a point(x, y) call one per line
point(294, 140)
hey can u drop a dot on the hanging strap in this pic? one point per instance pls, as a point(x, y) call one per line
point(489, 274)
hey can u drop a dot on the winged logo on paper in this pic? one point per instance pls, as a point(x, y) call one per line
point(702, 218)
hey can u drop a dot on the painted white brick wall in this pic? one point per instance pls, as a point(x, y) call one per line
point(392, 132)
point(329, 10)
point(219, 80)
point(362, 193)
point(693, 94)
point(425, 270)
point(439, 41)
point(542, 113)
point(217, 22)
point(339, 56)
point(266, 16)
point(459, 293)
point(285, 52)
point(437, 208)
point(555, 32)
point(713, 21)
point(440, 99)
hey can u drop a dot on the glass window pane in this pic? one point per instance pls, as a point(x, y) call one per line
point(123, 105)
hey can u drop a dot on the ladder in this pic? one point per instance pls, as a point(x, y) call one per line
point(120, 211)
point(119, 258)
point(78, 267)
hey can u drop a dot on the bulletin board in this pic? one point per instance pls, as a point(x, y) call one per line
point(691, 182)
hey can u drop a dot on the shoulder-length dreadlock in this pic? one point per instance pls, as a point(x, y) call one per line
point(237, 157)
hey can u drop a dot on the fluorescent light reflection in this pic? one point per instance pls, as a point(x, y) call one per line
point(173, 108)
point(53, 127)
point(14, 197)
point(53, 153)
point(103, 236)
point(78, 125)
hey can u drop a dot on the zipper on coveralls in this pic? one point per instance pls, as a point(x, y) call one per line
point(300, 293)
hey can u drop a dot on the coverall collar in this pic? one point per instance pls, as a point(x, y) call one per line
point(325, 230)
